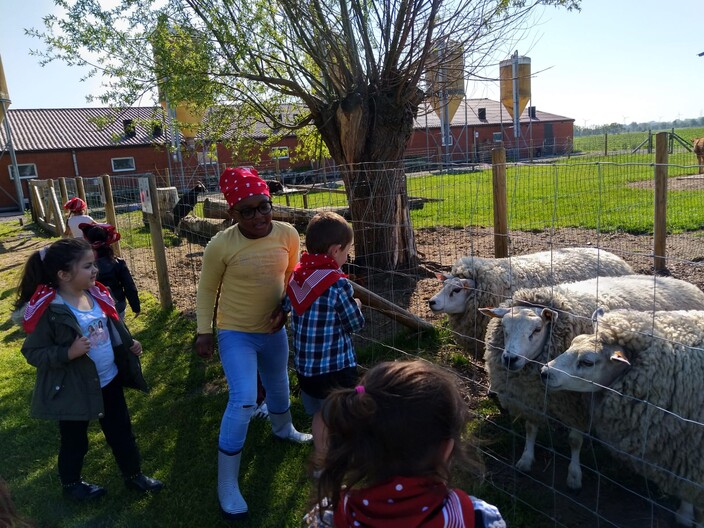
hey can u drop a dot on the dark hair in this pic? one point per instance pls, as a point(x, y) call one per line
point(327, 229)
point(98, 233)
point(43, 266)
point(396, 426)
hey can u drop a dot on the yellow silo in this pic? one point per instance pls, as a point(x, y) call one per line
point(446, 73)
point(514, 74)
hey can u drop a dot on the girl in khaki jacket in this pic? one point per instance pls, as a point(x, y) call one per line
point(84, 356)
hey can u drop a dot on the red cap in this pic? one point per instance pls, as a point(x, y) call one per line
point(240, 183)
point(111, 234)
point(75, 204)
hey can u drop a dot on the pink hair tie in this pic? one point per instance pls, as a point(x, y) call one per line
point(359, 389)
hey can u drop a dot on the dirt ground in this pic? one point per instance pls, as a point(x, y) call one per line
point(603, 501)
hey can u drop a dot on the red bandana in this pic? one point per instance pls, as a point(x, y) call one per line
point(311, 277)
point(240, 183)
point(44, 294)
point(75, 204)
point(405, 502)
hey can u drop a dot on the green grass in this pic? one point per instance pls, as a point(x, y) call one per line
point(628, 140)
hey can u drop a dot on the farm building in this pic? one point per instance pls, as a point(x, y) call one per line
point(89, 142)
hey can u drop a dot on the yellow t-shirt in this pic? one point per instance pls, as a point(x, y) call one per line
point(251, 275)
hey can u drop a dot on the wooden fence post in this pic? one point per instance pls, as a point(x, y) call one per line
point(162, 272)
point(80, 189)
point(110, 214)
point(498, 170)
point(63, 190)
point(55, 209)
point(606, 144)
point(660, 224)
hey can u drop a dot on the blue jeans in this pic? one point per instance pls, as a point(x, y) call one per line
point(242, 355)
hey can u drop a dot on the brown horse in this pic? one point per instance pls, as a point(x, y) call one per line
point(699, 151)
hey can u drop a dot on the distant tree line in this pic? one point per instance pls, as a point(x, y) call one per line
point(619, 128)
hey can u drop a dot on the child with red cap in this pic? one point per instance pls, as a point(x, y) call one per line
point(245, 268)
point(77, 209)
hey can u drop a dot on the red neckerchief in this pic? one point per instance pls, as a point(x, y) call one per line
point(405, 502)
point(44, 294)
point(311, 277)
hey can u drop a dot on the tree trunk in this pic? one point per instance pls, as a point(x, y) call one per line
point(367, 137)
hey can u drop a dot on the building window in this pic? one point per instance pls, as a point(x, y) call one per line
point(26, 170)
point(279, 153)
point(122, 164)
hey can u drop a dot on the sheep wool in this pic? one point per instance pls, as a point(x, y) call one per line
point(521, 392)
point(495, 279)
point(653, 416)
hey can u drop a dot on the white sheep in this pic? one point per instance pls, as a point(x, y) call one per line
point(538, 324)
point(645, 372)
point(475, 282)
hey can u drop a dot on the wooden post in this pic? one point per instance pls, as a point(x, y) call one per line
point(55, 209)
point(381, 305)
point(606, 144)
point(38, 202)
point(63, 190)
point(110, 214)
point(305, 200)
point(660, 225)
point(81, 189)
point(498, 170)
point(162, 272)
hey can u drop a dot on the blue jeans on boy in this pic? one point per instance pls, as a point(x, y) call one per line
point(243, 354)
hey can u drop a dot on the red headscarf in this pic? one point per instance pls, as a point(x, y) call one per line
point(240, 183)
point(75, 205)
point(44, 294)
point(311, 277)
point(405, 502)
point(112, 235)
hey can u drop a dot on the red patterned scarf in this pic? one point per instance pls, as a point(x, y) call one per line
point(311, 277)
point(44, 294)
point(405, 502)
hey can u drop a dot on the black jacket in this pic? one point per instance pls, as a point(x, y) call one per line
point(114, 273)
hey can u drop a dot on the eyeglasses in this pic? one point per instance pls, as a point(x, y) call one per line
point(248, 213)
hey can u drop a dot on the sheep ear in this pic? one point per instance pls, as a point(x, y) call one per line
point(494, 312)
point(442, 277)
point(468, 284)
point(618, 355)
point(548, 314)
point(597, 315)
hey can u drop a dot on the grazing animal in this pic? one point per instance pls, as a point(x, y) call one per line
point(187, 202)
point(539, 324)
point(644, 372)
point(699, 151)
point(475, 282)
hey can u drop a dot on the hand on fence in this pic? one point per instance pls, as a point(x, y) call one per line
point(204, 345)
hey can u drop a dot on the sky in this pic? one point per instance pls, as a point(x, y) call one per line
point(615, 61)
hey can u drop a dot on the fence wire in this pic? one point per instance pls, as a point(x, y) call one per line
point(608, 204)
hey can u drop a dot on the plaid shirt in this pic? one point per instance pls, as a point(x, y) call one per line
point(322, 341)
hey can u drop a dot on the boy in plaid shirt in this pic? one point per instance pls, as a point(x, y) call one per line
point(324, 314)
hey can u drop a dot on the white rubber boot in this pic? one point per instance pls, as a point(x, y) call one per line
point(232, 503)
point(283, 428)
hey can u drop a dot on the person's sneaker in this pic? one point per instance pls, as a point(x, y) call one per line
point(143, 483)
point(261, 412)
point(83, 491)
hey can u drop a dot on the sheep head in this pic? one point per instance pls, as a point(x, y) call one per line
point(526, 330)
point(454, 296)
point(588, 365)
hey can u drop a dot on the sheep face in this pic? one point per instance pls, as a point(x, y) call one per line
point(589, 365)
point(453, 297)
point(526, 330)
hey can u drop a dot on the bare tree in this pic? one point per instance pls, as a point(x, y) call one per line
point(354, 70)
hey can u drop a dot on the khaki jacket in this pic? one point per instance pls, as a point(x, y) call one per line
point(70, 389)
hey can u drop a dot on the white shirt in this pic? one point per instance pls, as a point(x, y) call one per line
point(75, 221)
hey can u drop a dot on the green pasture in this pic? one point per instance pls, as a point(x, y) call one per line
point(627, 141)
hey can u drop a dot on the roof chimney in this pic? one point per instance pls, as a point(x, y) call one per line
point(531, 112)
point(481, 113)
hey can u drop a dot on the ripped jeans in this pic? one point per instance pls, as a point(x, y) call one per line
point(243, 354)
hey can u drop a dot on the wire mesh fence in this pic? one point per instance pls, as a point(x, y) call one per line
point(571, 203)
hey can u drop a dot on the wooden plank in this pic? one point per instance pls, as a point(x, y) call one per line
point(389, 309)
